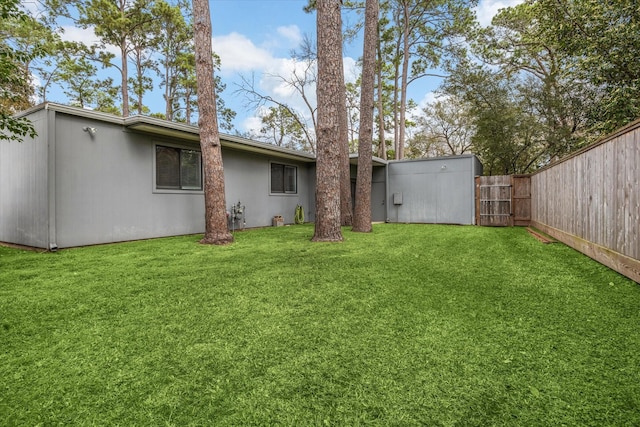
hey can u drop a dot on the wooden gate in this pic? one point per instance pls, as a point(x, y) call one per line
point(503, 200)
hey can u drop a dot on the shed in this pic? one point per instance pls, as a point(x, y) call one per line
point(437, 190)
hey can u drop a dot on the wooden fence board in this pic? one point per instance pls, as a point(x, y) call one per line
point(632, 194)
point(609, 208)
point(521, 199)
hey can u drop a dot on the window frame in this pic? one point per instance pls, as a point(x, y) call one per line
point(284, 191)
point(181, 189)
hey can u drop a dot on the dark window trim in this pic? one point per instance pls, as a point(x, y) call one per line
point(285, 167)
point(176, 189)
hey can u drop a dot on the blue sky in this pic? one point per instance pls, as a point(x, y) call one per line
point(254, 38)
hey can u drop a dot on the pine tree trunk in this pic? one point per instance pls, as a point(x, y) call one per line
point(382, 146)
point(124, 90)
point(346, 206)
point(216, 230)
point(403, 84)
point(327, 226)
point(362, 217)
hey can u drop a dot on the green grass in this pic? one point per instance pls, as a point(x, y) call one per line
point(409, 325)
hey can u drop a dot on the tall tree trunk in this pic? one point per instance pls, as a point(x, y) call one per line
point(168, 98)
point(187, 111)
point(327, 226)
point(140, 79)
point(403, 83)
point(346, 206)
point(216, 230)
point(382, 146)
point(362, 218)
point(396, 86)
point(125, 78)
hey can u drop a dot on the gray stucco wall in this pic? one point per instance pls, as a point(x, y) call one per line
point(247, 180)
point(105, 187)
point(114, 199)
point(23, 187)
point(438, 190)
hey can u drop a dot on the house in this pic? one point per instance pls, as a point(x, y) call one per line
point(91, 178)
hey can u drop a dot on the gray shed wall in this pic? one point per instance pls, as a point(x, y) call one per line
point(438, 190)
point(24, 208)
point(378, 194)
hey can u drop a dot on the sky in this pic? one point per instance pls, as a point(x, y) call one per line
point(254, 39)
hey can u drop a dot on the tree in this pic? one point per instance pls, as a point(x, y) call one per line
point(303, 77)
point(15, 87)
point(173, 40)
point(216, 230)
point(281, 128)
point(445, 129)
point(418, 36)
point(346, 207)
point(120, 23)
point(362, 217)
point(141, 52)
point(327, 225)
point(80, 85)
point(603, 41)
point(520, 43)
point(508, 134)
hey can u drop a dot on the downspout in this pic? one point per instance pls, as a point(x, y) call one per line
point(51, 177)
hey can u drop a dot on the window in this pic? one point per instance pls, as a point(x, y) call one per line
point(283, 179)
point(178, 168)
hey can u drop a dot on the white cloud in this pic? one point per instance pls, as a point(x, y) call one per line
point(487, 9)
point(239, 54)
point(252, 124)
point(429, 98)
point(291, 33)
point(31, 7)
point(351, 69)
point(86, 36)
point(275, 82)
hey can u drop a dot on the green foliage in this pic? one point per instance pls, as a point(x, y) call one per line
point(546, 84)
point(445, 127)
point(603, 39)
point(15, 87)
point(557, 76)
point(176, 66)
point(282, 128)
point(416, 38)
point(410, 324)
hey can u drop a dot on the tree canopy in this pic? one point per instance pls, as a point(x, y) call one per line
point(16, 90)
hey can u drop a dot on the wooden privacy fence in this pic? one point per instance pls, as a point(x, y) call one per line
point(591, 201)
point(503, 200)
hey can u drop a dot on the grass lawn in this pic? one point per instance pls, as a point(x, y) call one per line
point(410, 325)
